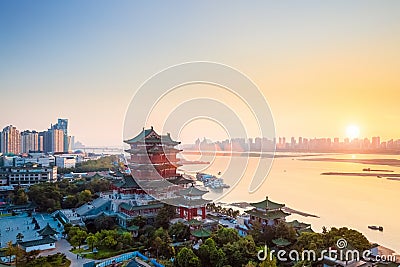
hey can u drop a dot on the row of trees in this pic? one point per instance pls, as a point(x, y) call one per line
point(227, 248)
point(63, 194)
point(224, 248)
point(104, 239)
point(219, 209)
point(101, 164)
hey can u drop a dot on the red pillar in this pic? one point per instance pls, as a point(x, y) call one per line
point(181, 212)
point(203, 212)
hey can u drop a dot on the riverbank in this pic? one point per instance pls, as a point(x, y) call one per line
point(385, 162)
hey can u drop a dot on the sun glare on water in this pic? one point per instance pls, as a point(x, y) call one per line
point(352, 132)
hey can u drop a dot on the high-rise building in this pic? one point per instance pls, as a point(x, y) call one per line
point(29, 141)
point(57, 142)
point(376, 142)
point(62, 124)
point(10, 140)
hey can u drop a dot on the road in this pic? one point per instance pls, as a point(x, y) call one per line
point(63, 246)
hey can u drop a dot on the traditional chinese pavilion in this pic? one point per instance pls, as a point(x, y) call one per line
point(191, 203)
point(267, 212)
point(153, 156)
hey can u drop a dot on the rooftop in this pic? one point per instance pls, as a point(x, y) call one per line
point(47, 231)
point(298, 225)
point(38, 242)
point(270, 215)
point(192, 191)
point(129, 207)
point(267, 204)
point(201, 233)
point(150, 136)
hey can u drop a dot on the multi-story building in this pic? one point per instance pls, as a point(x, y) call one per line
point(65, 161)
point(10, 140)
point(29, 141)
point(57, 143)
point(28, 175)
point(62, 125)
point(34, 158)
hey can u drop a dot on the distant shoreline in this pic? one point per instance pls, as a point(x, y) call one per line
point(249, 154)
point(386, 162)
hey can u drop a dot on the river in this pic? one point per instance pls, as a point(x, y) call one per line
point(351, 201)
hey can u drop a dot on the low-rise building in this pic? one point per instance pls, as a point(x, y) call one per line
point(267, 212)
point(28, 175)
point(66, 161)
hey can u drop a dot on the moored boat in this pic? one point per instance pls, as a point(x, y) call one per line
point(374, 227)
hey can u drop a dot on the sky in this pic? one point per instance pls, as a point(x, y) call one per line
point(321, 65)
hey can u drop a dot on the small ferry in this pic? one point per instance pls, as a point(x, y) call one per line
point(211, 181)
point(374, 227)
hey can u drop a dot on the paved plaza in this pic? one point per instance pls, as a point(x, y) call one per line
point(12, 225)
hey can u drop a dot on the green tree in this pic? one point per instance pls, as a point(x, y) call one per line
point(164, 215)
point(109, 241)
point(354, 238)
point(20, 197)
point(180, 231)
point(161, 241)
point(186, 258)
point(240, 252)
point(84, 196)
point(138, 221)
point(310, 241)
point(70, 201)
point(210, 255)
point(104, 223)
point(79, 237)
point(225, 236)
point(283, 230)
point(91, 240)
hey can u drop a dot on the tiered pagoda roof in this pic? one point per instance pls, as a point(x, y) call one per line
point(153, 166)
point(199, 233)
point(299, 225)
point(47, 231)
point(153, 149)
point(267, 204)
point(268, 210)
point(269, 215)
point(127, 182)
point(150, 136)
point(192, 191)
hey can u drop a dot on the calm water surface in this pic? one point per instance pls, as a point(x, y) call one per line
point(354, 202)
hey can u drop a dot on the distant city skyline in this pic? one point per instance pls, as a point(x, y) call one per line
point(321, 65)
point(53, 140)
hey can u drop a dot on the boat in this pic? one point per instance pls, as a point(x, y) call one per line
point(374, 227)
point(218, 183)
point(211, 181)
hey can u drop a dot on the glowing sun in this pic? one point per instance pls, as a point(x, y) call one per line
point(352, 131)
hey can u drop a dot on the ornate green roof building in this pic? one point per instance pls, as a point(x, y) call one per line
point(267, 212)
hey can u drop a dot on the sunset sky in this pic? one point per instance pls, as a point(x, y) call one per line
point(321, 65)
